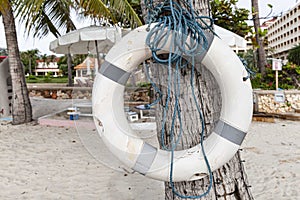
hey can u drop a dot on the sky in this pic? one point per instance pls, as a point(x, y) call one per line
point(27, 42)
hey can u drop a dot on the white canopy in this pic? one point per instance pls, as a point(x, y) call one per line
point(230, 38)
point(84, 40)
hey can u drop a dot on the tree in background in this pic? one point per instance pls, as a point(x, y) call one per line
point(261, 54)
point(21, 107)
point(121, 12)
point(48, 16)
point(76, 60)
point(28, 59)
point(227, 15)
point(294, 55)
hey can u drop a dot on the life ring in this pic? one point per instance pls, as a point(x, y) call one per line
point(189, 164)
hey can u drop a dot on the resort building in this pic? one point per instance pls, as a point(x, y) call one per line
point(43, 68)
point(284, 33)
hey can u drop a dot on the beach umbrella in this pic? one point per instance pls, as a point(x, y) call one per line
point(87, 40)
point(231, 39)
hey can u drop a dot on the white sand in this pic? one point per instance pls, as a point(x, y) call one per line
point(39, 162)
point(51, 163)
point(272, 154)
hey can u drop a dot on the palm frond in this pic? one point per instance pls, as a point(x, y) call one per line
point(95, 9)
point(3, 5)
point(114, 10)
point(124, 7)
point(45, 16)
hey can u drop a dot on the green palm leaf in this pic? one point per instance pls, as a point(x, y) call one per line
point(44, 16)
point(114, 10)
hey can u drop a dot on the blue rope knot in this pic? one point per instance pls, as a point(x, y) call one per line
point(183, 27)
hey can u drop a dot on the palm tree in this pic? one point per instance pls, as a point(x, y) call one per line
point(28, 58)
point(48, 16)
point(39, 16)
point(261, 54)
point(229, 182)
point(21, 107)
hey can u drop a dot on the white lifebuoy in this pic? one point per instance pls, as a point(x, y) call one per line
point(189, 164)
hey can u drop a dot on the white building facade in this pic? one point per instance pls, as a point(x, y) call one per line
point(44, 68)
point(284, 33)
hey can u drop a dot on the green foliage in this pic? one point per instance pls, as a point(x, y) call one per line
point(249, 57)
point(227, 15)
point(294, 55)
point(46, 79)
point(288, 78)
point(29, 58)
point(76, 60)
point(122, 12)
point(144, 84)
point(32, 77)
point(42, 17)
point(64, 68)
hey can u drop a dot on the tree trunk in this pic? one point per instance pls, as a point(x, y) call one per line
point(70, 78)
point(261, 54)
point(21, 107)
point(229, 182)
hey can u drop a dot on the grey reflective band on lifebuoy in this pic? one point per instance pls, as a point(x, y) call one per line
point(229, 132)
point(145, 159)
point(148, 152)
point(114, 73)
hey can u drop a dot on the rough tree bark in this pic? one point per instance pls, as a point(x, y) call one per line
point(229, 182)
point(70, 77)
point(261, 54)
point(21, 107)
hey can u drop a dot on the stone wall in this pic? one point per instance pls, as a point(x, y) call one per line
point(131, 94)
point(265, 101)
point(62, 93)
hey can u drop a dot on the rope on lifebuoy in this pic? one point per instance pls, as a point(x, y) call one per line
point(221, 145)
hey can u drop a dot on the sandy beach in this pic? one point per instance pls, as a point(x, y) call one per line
point(45, 162)
point(272, 155)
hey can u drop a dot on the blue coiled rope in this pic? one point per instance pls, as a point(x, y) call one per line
point(180, 31)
